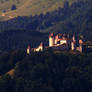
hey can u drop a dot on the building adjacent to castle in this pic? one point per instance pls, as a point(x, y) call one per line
point(39, 48)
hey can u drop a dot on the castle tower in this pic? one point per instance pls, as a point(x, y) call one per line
point(73, 38)
point(73, 46)
point(80, 45)
point(41, 46)
point(73, 43)
point(63, 36)
point(28, 50)
point(56, 39)
point(51, 40)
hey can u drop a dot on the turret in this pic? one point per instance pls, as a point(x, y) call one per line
point(73, 38)
point(73, 46)
point(73, 43)
point(28, 50)
point(51, 40)
point(63, 37)
point(80, 45)
point(41, 46)
point(56, 39)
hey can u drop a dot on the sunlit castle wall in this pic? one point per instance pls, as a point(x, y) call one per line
point(51, 40)
point(28, 50)
point(40, 48)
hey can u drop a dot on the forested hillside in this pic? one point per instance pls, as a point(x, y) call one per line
point(15, 8)
point(6, 5)
point(73, 19)
point(46, 72)
point(20, 39)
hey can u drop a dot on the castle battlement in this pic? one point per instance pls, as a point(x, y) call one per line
point(60, 42)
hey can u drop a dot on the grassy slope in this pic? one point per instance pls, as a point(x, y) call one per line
point(6, 5)
point(32, 7)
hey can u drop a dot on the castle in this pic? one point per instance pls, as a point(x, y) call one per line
point(64, 42)
point(59, 42)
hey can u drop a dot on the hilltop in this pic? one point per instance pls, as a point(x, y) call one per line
point(48, 71)
point(29, 7)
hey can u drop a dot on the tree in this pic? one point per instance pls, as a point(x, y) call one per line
point(13, 7)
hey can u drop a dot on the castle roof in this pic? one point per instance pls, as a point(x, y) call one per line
point(28, 47)
point(80, 42)
point(51, 35)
